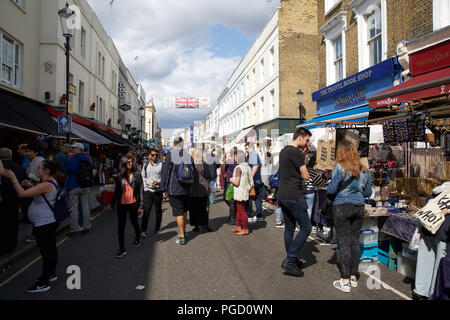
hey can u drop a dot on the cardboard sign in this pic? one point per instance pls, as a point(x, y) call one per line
point(430, 216)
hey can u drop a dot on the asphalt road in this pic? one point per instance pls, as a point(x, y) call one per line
point(215, 266)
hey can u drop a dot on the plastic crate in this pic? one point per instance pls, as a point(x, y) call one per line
point(368, 236)
point(368, 264)
point(370, 223)
point(407, 252)
point(369, 250)
point(383, 257)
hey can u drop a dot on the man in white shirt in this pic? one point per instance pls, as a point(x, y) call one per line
point(151, 175)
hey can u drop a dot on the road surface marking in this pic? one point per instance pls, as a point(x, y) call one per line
point(37, 259)
point(388, 287)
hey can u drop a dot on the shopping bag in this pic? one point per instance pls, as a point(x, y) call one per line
point(326, 150)
point(229, 193)
point(431, 216)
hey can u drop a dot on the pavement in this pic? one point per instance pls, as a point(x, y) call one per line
point(23, 248)
point(218, 265)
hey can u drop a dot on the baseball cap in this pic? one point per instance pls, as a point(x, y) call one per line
point(77, 145)
point(66, 145)
point(85, 146)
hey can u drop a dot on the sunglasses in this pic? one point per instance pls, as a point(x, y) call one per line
point(154, 155)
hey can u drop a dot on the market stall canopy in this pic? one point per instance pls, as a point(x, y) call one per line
point(114, 137)
point(240, 137)
point(355, 114)
point(27, 115)
point(431, 84)
point(88, 135)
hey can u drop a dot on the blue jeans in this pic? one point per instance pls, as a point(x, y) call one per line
point(259, 190)
point(295, 211)
point(309, 197)
point(212, 183)
point(278, 214)
point(431, 250)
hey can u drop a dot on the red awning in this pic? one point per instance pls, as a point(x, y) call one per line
point(426, 85)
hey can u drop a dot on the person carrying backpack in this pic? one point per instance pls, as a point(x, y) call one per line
point(177, 178)
point(43, 218)
point(79, 180)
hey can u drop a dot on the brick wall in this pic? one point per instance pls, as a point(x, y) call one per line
point(406, 19)
point(298, 36)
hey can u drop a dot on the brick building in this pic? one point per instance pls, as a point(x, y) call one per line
point(261, 93)
point(358, 48)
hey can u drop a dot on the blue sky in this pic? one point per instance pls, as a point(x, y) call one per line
point(185, 48)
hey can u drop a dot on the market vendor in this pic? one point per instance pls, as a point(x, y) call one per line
point(431, 249)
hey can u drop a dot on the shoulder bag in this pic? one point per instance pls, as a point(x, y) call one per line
point(328, 205)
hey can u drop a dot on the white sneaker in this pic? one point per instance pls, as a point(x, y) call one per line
point(338, 284)
point(297, 229)
point(354, 283)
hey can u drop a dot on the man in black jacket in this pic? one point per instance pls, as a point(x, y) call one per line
point(9, 204)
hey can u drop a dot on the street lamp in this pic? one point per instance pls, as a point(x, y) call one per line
point(141, 109)
point(68, 29)
point(301, 108)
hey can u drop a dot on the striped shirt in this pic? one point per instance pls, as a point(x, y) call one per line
point(315, 180)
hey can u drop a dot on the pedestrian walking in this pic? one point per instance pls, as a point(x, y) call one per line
point(177, 178)
point(291, 197)
point(254, 161)
point(63, 159)
point(43, 219)
point(129, 198)
point(229, 166)
point(198, 213)
point(153, 196)
point(242, 181)
point(9, 204)
point(350, 182)
point(79, 172)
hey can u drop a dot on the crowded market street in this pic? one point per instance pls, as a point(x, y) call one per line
point(213, 266)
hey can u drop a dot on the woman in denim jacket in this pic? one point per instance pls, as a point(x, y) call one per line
point(348, 211)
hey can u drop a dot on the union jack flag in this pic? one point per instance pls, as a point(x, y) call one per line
point(187, 103)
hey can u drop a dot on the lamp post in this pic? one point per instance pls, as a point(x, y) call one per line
point(301, 108)
point(141, 109)
point(67, 29)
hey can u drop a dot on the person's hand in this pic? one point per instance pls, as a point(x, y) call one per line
point(154, 183)
point(141, 211)
point(306, 149)
point(165, 196)
point(446, 212)
point(26, 184)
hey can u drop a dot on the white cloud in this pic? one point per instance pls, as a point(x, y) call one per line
point(172, 41)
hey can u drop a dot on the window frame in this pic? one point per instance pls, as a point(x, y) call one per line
point(335, 28)
point(363, 9)
point(440, 20)
point(15, 65)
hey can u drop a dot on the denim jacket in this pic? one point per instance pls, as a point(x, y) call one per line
point(355, 193)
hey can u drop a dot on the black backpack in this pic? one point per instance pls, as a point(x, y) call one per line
point(63, 207)
point(85, 175)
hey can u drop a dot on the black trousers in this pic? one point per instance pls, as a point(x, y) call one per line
point(198, 215)
point(231, 205)
point(132, 210)
point(9, 227)
point(46, 242)
point(152, 199)
point(348, 220)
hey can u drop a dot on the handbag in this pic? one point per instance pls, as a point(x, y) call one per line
point(252, 193)
point(229, 195)
point(328, 205)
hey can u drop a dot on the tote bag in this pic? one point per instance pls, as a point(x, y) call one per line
point(430, 216)
point(326, 150)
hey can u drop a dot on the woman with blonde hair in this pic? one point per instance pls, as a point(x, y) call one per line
point(351, 183)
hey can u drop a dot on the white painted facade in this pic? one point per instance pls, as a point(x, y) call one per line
point(251, 95)
point(35, 27)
